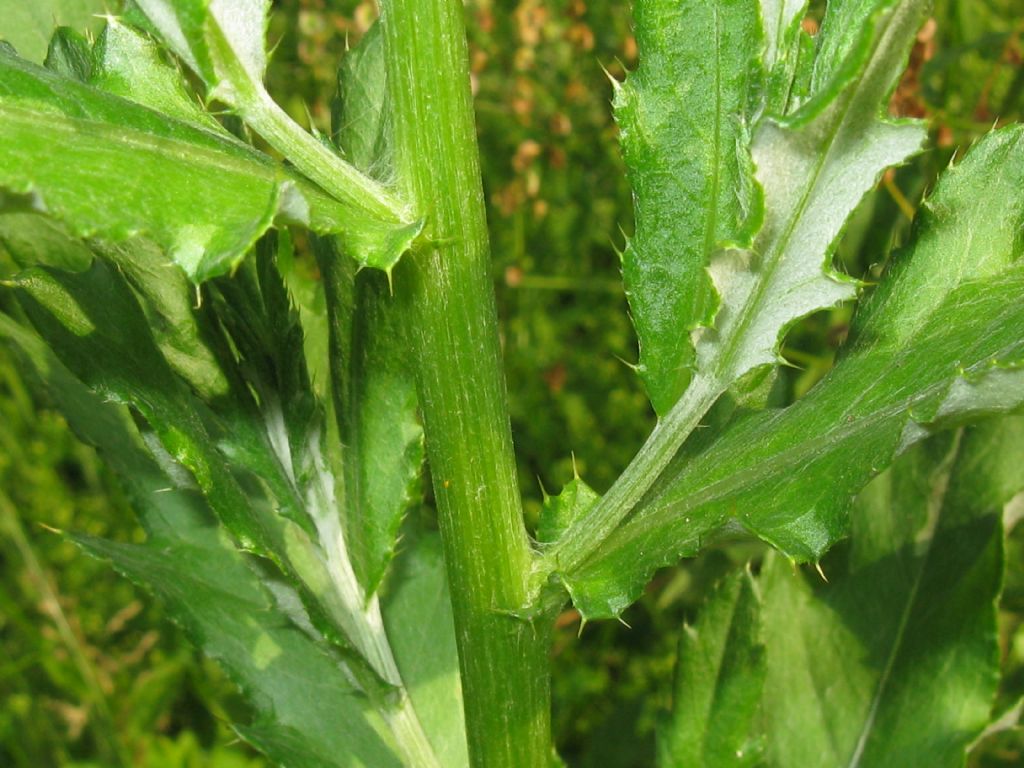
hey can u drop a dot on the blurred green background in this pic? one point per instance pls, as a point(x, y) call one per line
point(91, 674)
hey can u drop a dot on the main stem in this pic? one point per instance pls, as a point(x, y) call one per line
point(447, 294)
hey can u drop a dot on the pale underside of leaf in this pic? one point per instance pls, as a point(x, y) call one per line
point(938, 342)
point(813, 174)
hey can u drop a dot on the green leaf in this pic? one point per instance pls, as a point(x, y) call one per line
point(379, 427)
point(97, 329)
point(718, 682)
point(813, 175)
point(129, 64)
point(561, 511)
point(418, 618)
point(121, 169)
point(360, 112)
point(789, 51)
point(894, 661)
point(293, 682)
point(844, 47)
point(28, 26)
point(682, 118)
point(939, 342)
point(69, 54)
point(223, 42)
point(32, 239)
point(373, 383)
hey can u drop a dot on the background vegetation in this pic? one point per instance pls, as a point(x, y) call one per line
point(90, 674)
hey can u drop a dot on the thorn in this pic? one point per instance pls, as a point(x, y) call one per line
point(575, 469)
point(199, 298)
point(583, 623)
point(391, 285)
point(616, 85)
point(817, 567)
point(163, 490)
point(312, 124)
point(543, 491)
point(50, 528)
point(622, 621)
point(635, 367)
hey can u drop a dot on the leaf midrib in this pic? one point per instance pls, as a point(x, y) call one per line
point(183, 150)
point(797, 456)
point(752, 308)
point(936, 507)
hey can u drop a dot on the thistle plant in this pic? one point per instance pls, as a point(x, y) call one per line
point(158, 203)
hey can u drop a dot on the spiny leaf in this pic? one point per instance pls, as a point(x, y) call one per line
point(938, 342)
point(373, 383)
point(720, 675)
point(294, 684)
point(813, 176)
point(561, 511)
point(683, 121)
point(418, 617)
point(129, 64)
point(108, 167)
point(894, 661)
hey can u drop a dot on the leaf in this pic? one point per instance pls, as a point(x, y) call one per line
point(788, 54)
point(720, 675)
point(69, 54)
point(418, 618)
point(894, 661)
point(122, 170)
point(360, 112)
point(813, 175)
point(939, 341)
point(97, 329)
point(292, 681)
point(682, 118)
point(844, 48)
point(129, 64)
point(32, 239)
point(373, 383)
point(221, 40)
point(561, 511)
point(28, 26)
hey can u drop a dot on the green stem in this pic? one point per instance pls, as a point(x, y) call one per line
point(447, 296)
point(587, 534)
point(318, 162)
